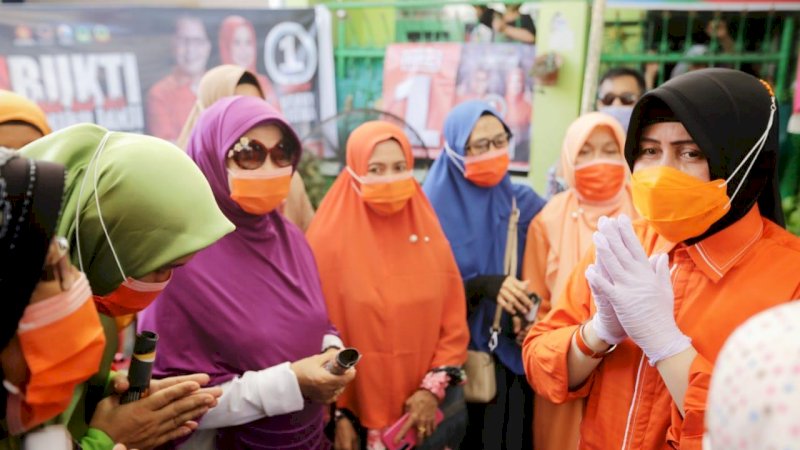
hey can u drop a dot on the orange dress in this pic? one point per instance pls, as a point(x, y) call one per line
point(558, 237)
point(718, 283)
point(169, 103)
point(391, 284)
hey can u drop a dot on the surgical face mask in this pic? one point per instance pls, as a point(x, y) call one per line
point(62, 341)
point(132, 295)
point(621, 113)
point(679, 206)
point(599, 180)
point(386, 195)
point(485, 170)
point(260, 193)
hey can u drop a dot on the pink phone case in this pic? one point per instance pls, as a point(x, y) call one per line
point(410, 439)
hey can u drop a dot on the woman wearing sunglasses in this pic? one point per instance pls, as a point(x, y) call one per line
point(471, 192)
point(394, 291)
point(249, 310)
point(593, 163)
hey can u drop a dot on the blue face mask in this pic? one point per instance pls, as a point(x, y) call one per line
point(621, 113)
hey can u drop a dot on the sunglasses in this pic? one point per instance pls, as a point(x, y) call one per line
point(627, 98)
point(250, 154)
point(484, 145)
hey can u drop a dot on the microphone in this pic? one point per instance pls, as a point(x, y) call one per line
point(344, 360)
point(144, 355)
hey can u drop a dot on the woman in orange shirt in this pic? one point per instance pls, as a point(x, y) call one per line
point(593, 163)
point(393, 291)
point(639, 345)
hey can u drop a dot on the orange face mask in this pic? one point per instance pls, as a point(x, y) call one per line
point(259, 193)
point(677, 205)
point(62, 341)
point(484, 170)
point(599, 181)
point(386, 195)
point(129, 298)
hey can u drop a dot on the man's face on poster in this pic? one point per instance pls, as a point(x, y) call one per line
point(192, 47)
point(243, 47)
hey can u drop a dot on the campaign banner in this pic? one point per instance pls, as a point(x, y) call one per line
point(419, 85)
point(423, 82)
point(500, 74)
point(137, 69)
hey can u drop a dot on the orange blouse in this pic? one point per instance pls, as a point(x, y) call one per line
point(719, 282)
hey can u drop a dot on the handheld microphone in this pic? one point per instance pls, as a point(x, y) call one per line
point(144, 355)
point(344, 360)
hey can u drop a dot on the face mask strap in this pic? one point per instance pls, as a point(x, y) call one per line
point(754, 152)
point(457, 159)
point(80, 196)
point(95, 161)
point(356, 178)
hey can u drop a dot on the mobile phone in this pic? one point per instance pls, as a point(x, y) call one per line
point(537, 302)
point(410, 439)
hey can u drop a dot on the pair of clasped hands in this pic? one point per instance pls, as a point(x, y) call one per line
point(633, 293)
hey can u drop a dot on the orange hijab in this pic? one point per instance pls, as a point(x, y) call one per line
point(566, 223)
point(16, 107)
point(391, 284)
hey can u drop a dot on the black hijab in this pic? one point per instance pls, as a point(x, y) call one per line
point(31, 194)
point(725, 111)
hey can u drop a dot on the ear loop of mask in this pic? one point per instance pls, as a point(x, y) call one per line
point(457, 159)
point(96, 161)
point(754, 152)
point(356, 178)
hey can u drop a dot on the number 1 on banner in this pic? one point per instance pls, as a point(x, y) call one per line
point(290, 64)
point(417, 90)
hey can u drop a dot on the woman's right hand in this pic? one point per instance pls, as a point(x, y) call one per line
point(513, 296)
point(346, 437)
point(166, 415)
point(316, 382)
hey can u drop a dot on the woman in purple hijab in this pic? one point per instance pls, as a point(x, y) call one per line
point(249, 310)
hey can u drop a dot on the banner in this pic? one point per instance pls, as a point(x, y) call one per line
point(423, 82)
point(419, 85)
point(137, 69)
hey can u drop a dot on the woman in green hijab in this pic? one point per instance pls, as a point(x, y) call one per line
point(135, 207)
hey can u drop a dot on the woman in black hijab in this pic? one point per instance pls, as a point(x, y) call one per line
point(645, 314)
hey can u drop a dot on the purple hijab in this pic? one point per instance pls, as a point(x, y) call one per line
point(250, 301)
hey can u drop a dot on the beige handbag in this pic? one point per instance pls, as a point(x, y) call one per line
point(481, 384)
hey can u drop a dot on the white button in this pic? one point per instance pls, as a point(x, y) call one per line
point(413, 238)
point(427, 239)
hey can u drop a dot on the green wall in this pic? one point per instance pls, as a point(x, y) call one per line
point(555, 107)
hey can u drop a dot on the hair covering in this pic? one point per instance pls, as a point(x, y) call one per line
point(725, 111)
point(219, 82)
point(155, 203)
point(250, 301)
point(754, 397)
point(392, 286)
point(568, 222)
point(14, 107)
point(31, 193)
point(475, 221)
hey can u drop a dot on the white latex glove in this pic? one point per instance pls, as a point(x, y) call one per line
point(605, 322)
point(640, 291)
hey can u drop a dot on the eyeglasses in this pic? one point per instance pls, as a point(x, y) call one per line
point(250, 154)
point(484, 145)
point(627, 98)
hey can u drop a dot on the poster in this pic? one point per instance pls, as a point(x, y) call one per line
point(419, 85)
point(137, 69)
point(500, 74)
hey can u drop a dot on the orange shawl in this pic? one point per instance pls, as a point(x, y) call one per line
point(391, 284)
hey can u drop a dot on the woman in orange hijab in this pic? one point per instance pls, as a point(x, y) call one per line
point(393, 290)
point(593, 164)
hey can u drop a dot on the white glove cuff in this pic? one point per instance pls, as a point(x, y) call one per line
point(677, 344)
point(603, 334)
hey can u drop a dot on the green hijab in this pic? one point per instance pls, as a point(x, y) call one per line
point(156, 204)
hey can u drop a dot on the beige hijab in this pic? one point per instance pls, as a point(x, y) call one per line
point(220, 82)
